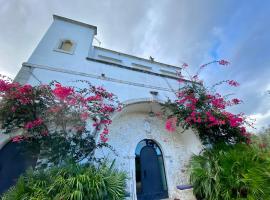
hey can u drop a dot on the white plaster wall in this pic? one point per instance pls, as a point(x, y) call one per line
point(124, 91)
point(128, 130)
point(45, 56)
point(45, 53)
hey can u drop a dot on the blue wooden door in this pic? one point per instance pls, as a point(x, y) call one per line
point(13, 162)
point(150, 175)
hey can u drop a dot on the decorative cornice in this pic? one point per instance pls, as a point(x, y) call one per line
point(139, 58)
point(56, 69)
point(132, 68)
point(75, 22)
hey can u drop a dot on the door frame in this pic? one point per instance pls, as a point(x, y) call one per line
point(163, 163)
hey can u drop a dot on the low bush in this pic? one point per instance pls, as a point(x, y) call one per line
point(70, 182)
point(231, 172)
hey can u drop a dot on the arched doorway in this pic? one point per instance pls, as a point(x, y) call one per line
point(14, 160)
point(150, 173)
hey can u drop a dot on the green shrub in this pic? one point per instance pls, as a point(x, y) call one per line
point(70, 182)
point(231, 172)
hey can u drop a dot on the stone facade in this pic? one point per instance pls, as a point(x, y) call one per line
point(134, 125)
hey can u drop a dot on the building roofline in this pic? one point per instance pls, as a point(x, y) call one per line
point(139, 58)
point(75, 22)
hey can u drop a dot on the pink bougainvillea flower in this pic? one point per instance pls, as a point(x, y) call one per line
point(33, 124)
point(223, 62)
point(38, 122)
point(25, 89)
point(180, 80)
point(218, 103)
point(94, 98)
point(45, 133)
point(55, 109)
point(236, 101)
point(107, 108)
point(18, 138)
point(106, 122)
point(105, 131)
point(13, 108)
point(84, 116)
point(184, 65)
point(171, 124)
point(29, 125)
point(4, 85)
point(72, 101)
point(62, 92)
point(233, 83)
point(103, 138)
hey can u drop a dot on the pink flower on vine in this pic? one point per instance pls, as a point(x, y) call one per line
point(184, 65)
point(4, 85)
point(13, 108)
point(171, 124)
point(84, 116)
point(233, 83)
point(223, 62)
point(103, 138)
point(33, 124)
point(218, 103)
point(45, 133)
point(62, 92)
point(29, 125)
point(105, 131)
point(18, 138)
point(236, 101)
point(94, 98)
point(25, 89)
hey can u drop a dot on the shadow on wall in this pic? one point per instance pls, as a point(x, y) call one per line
point(13, 162)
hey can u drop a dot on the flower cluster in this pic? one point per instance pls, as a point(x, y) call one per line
point(62, 92)
point(33, 124)
point(15, 91)
point(34, 109)
point(171, 124)
point(199, 107)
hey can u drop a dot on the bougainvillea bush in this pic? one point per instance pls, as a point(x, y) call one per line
point(56, 118)
point(203, 109)
point(233, 163)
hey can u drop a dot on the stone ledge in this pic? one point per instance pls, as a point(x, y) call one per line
point(186, 194)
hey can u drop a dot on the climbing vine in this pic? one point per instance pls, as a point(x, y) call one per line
point(205, 110)
point(55, 118)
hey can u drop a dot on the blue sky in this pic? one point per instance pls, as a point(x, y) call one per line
point(174, 31)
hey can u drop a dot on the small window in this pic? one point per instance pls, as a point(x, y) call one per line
point(66, 45)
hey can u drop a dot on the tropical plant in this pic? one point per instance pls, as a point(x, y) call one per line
point(262, 139)
point(231, 172)
point(70, 182)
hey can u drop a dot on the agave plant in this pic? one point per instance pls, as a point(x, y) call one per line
point(231, 172)
point(70, 182)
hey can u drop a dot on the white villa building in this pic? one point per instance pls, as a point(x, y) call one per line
point(155, 160)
